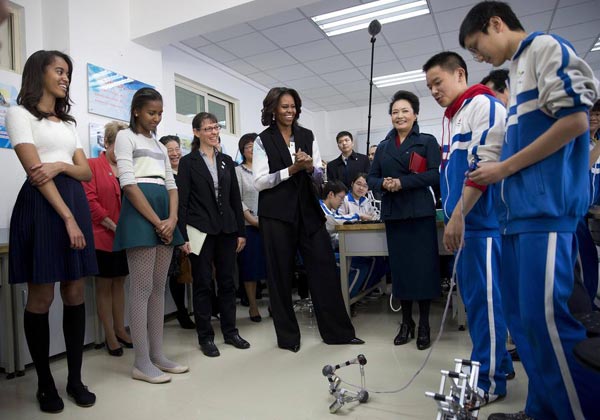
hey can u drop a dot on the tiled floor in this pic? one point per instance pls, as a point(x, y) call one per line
point(265, 382)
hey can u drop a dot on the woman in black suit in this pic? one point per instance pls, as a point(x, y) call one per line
point(209, 201)
point(285, 157)
point(405, 166)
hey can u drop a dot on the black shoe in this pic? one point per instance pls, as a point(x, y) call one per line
point(514, 355)
point(244, 301)
point(510, 376)
point(209, 348)
point(126, 344)
point(81, 395)
point(355, 340)
point(423, 339)
point(513, 416)
point(50, 401)
point(237, 342)
point(118, 352)
point(256, 318)
point(294, 348)
point(404, 333)
point(184, 321)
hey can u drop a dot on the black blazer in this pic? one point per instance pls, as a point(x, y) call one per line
point(294, 197)
point(198, 205)
point(357, 163)
point(415, 199)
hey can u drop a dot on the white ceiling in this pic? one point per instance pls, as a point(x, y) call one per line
point(288, 49)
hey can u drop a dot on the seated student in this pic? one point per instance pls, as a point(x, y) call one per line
point(356, 201)
point(345, 167)
point(333, 196)
point(543, 176)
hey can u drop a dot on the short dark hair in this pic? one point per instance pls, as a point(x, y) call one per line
point(272, 100)
point(244, 140)
point(32, 85)
point(479, 16)
point(498, 78)
point(359, 175)
point(334, 187)
point(343, 134)
point(449, 61)
point(412, 99)
point(595, 107)
point(166, 139)
point(197, 123)
point(141, 98)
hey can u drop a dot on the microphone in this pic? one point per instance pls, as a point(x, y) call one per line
point(374, 27)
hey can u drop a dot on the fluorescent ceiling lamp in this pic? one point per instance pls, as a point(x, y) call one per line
point(399, 78)
point(596, 46)
point(359, 17)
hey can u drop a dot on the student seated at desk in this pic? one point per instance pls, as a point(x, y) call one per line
point(364, 271)
point(357, 202)
point(333, 196)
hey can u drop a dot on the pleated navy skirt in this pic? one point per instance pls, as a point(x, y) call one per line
point(39, 246)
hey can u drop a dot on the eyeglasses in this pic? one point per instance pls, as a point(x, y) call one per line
point(216, 127)
point(473, 50)
point(249, 146)
point(361, 184)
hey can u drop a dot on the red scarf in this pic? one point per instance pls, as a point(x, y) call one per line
point(471, 92)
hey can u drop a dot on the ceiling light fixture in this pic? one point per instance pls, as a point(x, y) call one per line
point(359, 17)
point(596, 46)
point(399, 78)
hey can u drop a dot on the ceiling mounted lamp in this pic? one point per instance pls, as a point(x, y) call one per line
point(358, 17)
point(399, 78)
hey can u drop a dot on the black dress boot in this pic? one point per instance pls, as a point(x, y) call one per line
point(423, 339)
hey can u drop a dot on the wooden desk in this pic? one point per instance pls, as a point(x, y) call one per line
point(8, 339)
point(369, 240)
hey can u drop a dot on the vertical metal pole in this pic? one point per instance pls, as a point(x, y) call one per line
point(373, 39)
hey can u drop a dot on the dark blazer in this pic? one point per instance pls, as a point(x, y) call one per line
point(198, 205)
point(294, 197)
point(357, 163)
point(415, 198)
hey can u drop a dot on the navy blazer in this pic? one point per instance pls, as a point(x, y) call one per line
point(357, 163)
point(415, 198)
point(199, 206)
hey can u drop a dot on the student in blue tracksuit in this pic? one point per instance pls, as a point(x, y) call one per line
point(474, 128)
point(544, 191)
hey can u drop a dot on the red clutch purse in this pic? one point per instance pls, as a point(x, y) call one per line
point(417, 164)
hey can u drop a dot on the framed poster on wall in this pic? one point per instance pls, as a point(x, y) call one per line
point(8, 96)
point(110, 93)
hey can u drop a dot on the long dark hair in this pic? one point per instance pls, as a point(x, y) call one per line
point(141, 98)
point(197, 123)
point(272, 100)
point(32, 85)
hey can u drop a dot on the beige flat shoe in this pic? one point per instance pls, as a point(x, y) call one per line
point(137, 374)
point(176, 369)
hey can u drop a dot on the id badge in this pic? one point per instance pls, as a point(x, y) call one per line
point(292, 148)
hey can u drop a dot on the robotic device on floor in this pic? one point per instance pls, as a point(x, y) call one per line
point(342, 395)
point(457, 398)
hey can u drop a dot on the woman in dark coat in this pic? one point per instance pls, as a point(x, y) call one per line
point(285, 157)
point(405, 167)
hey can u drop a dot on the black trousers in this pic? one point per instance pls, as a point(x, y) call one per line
point(219, 249)
point(281, 241)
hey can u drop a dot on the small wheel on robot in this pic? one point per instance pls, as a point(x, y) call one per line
point(363, 396)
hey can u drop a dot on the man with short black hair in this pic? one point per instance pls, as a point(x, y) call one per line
point(349, 163)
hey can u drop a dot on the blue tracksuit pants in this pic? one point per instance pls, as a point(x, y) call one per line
point(537, 280)
point(478, 273)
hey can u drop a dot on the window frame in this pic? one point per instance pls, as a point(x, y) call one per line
point(15, 31)
point(210, 95)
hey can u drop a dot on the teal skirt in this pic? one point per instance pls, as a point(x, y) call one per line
point(134, 230)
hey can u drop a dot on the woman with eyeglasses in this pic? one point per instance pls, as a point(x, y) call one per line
point(210, 203)
point(286, 156)
point(356, 201)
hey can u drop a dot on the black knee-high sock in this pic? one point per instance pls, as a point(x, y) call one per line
point(424, 306)
point(407, 312)
point(178, 293)
point(37, 334)
point(74, 331)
